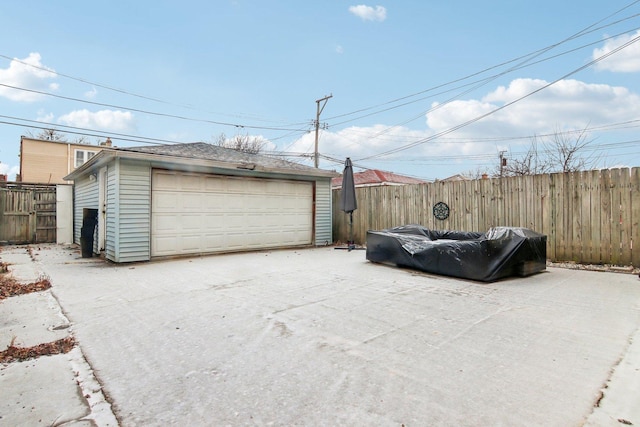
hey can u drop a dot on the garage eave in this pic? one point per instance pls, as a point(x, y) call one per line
point(187, 163)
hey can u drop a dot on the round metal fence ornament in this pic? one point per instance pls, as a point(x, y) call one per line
point(441, 211)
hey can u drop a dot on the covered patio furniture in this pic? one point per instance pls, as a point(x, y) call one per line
point(486, 257)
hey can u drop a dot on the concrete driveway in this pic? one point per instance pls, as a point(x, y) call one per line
point(324, 337)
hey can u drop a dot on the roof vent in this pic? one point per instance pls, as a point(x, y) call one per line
point(247, 166)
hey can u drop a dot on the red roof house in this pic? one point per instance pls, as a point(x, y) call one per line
point(374, 177)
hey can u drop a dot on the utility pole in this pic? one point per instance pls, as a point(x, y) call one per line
point(503, 161)
point(317, 123)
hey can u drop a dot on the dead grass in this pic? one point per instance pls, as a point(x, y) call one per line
point(18, 354)
point(10, 287)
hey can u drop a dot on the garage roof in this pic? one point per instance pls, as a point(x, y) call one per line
point(203, 154)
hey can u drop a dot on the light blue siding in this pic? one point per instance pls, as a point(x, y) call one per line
point(112, 196)
point(323, 213)
point(128, 212)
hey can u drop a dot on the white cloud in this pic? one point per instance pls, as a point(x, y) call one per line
point(91, 94)
point(369, 13)
point(122, 121)
point(9, 170)
point(28, 73)
point(626, 60)
point(568, 103)
point(184, 135)
point(45, 117)
point(358, 142)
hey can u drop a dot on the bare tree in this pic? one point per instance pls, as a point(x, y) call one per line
point(561, 152)
point(565, 151)
point(477, 173)
point(531, 163)
point(82, 140)
point(48, 135)
point(244, 143)
point(56, 135)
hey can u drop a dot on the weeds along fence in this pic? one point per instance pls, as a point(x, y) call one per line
point(588, 217)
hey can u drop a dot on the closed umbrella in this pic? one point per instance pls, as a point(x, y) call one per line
point(348, 202)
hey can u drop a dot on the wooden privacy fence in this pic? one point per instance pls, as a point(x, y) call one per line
point(588, 217)
point(27, 214)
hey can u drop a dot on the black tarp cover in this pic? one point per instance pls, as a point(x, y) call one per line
point(486, 257)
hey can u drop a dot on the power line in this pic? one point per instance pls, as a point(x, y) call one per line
point(479, 83)
point(482, 82)
point(153, 113)
point(530, 55)
point(629, 124)
point(495, 110)
point(126, 92)
point(74, 130)
point(85, 131)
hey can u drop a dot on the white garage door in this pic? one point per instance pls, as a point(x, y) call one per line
point(199, 213)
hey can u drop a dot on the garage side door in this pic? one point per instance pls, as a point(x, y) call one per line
point(199, 213)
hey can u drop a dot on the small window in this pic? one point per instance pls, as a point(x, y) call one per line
point(83, 156)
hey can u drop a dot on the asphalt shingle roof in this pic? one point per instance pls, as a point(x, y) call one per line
point(203, 150)
point(377, 177)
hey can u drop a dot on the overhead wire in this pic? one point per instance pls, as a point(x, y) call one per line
point(237, 125)
point(586, 30)
point(129, 93)
point(294, 131)
point(483, 81)
point(153, 113)
point(526, 62)
point(74, 130)
point(502, 107)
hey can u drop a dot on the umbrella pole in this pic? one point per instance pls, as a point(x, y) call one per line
point(350, 243)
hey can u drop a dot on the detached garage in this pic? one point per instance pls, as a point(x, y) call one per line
point(188, 199)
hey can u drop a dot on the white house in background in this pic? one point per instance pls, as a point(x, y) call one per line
point(198, 198)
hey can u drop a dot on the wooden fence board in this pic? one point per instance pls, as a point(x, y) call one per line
point(616, 213)
point(634, 189)
point(595, 256)
point(576, 216)
point(547, 208)
point(562, 234)
point(606, 215)
point(624, 191)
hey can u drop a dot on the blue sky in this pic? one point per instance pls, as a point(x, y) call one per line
point(422, 88)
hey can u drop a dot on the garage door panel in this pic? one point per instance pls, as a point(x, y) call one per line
point(212, 202)
point(190, 241)
point(191, 202)
point(164, 222)
point(190, 183)
point(164, 181)
point(199, 213)
point(164, 202)
point(214, 185)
